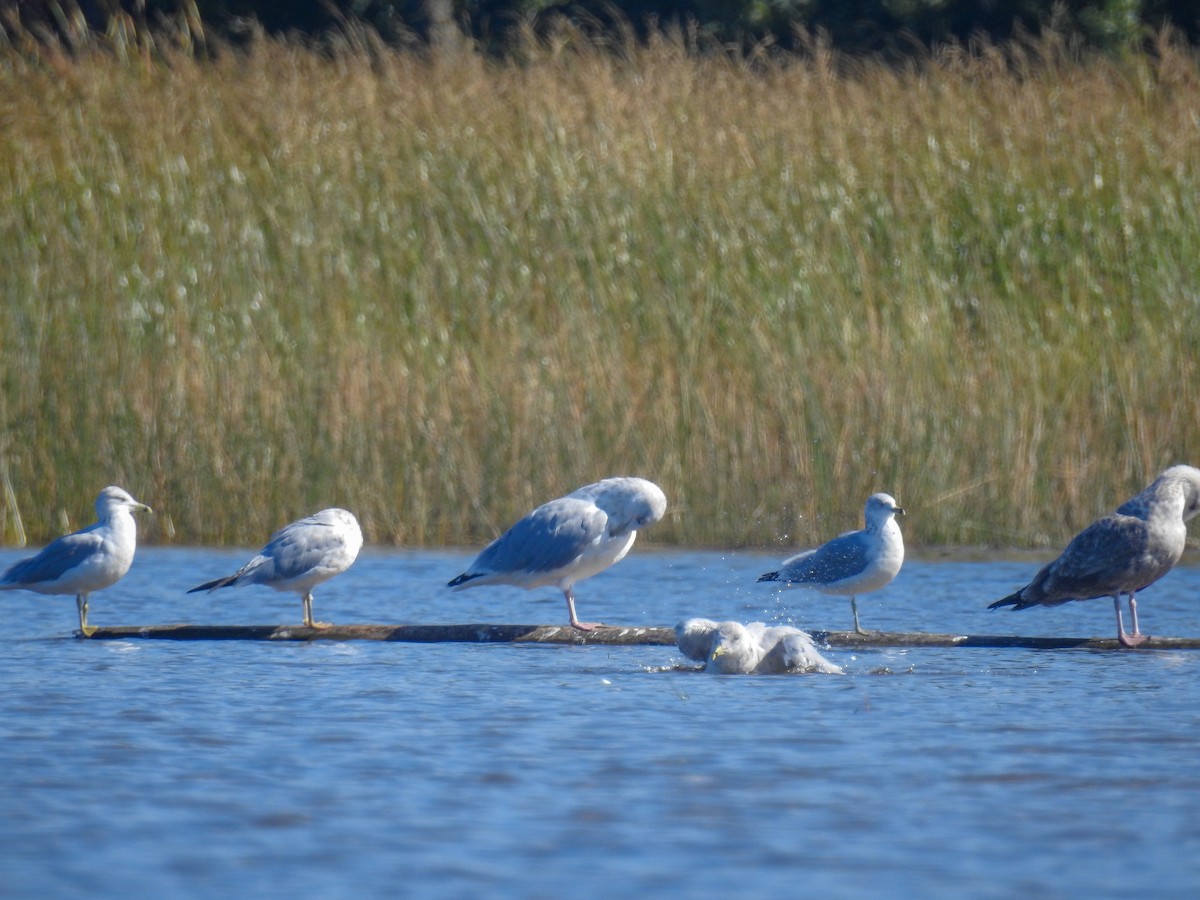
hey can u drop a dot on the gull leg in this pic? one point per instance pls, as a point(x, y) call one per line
point(81, 603)
point(854, 609)
point(1132, 640)
point(308, 616)
point(1123, 637)
point(575, 623)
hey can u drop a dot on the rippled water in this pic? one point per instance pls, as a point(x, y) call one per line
point(143, 768)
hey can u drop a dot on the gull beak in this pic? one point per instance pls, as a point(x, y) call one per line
point(718, 651)
point(898, 510)
point(144, 507)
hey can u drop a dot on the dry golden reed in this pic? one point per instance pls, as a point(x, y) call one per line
point(438, 293)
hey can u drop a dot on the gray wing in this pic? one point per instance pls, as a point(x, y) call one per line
point(843, 557)
point(54, 560)
point(549, 538)
point(295, 550)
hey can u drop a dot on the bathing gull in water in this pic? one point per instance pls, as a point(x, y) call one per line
point(855, 562)
point(86, 561)
point(300, 556)
point(1120, 553)
point(730, 648)
point(569, 539)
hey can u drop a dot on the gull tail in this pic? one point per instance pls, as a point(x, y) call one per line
point(213, 585)
point(770, 576)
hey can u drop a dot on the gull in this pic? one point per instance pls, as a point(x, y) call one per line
point(569, 539)
point(852, 563)
point(694, 638)
point(88, 560)
point(1121, 553)
point(300, 556)
point(756, 648)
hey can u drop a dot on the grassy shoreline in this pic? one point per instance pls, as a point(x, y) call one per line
point(440, 294)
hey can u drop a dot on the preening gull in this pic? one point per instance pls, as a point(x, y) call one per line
point(300, 556)
point(1120, 553)
point(855, 562)
point(86, 561)
point(569, 539)
point(694, 638)
point(730, 648)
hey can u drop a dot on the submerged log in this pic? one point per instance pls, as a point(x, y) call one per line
point(611, 635)
point(419, 634)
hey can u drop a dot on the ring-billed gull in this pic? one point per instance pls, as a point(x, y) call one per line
point(86, 561)
point(855, 562)
point(300, 556)
point(730, 648)
point(569, 539)
point(1120, 553)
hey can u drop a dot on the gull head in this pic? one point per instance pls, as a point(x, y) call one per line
point(631, 503)
point(1188, 479)
point(880, 508)
point(114, 499)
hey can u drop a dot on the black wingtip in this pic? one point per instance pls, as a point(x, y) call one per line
point(770, 576)
point(213, 585)
point(462, 579)
point(1012, 600)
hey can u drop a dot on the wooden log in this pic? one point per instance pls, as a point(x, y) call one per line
point(420, 634)
point(611, 635)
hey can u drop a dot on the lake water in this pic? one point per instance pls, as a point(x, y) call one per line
point(206, 769)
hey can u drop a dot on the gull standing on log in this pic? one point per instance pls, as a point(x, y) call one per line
point(88, 560)
point(569, 539)
point(1121, 553)
point(300, 556)
point(855, 562)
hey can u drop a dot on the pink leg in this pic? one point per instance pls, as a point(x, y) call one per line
point(575, 623)
point(1123, 637)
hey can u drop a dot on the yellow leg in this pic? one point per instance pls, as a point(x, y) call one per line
point(308, 616)
point(81, 603)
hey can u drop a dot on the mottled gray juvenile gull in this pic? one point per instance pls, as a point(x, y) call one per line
point(852, 563)
point(86, 561)
point(759, 649)
point(300, 556)
point(1120, 553)
point(569, 539)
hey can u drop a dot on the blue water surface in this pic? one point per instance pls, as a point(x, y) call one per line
point(361, 769)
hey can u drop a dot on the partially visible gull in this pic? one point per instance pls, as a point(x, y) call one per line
point(731, 648)
point(300, 556)
point(694, 638)
point(86, 561)
point(569, 539)
point(1121, 553)
point(855, 562)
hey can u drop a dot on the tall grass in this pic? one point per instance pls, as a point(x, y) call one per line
point(438, 293)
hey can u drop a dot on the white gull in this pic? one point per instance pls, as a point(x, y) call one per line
point(852, 563)
point(86, 561)
point(300, 556)
point(569, 539)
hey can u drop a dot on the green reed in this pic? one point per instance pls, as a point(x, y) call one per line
point(438, 293)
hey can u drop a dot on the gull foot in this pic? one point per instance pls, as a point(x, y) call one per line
point(586, 626)
point(88, 630)
point(1131, 640)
